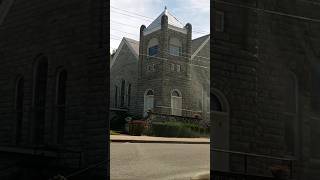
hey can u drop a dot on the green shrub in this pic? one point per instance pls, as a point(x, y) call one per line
point(174, 129)
point(118, 121)
point(136, 127)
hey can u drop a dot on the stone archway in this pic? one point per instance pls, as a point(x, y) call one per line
point(148, 101)
point(220, 128)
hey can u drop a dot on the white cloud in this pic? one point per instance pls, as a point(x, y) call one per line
point(196, 12)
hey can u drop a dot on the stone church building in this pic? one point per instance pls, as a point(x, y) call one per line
point(166, 71)
point(265, 86)
point(53, 89)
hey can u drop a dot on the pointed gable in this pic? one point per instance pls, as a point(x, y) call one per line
point(133, 46)
point(173, 23)
point(198, 44)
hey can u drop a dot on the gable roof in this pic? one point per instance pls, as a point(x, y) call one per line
point(198, 44)
point(133, 46)
point(173, 23)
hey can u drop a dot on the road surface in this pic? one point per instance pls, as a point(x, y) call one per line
point(158, 161)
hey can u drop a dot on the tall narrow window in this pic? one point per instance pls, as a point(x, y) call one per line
point(291, 121)
point(215, 103)
point(178, 68)
point(175, 47)
point(61, 105)
point(39, 100)
point(123, 83)
point(172, 67)
point(19, 109)
point(129, 94)
point(148, 101)
point(176, 103)
point(116, 96)
point(153, 47)
point(219, 21)
point(153, 50)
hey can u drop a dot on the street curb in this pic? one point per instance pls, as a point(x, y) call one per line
point(205, 176)
point(164, 142)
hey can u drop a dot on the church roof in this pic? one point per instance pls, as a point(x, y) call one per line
point(196, 43)
point(173, 22)
point(134, 45)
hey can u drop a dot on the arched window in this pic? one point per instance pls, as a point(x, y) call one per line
point(291, 90)
point(219, 130)
point(153, 47)
point(215, 103)
point(61, 104)
point(39, 99)
point(129, 94)
point(148, 101)
point(175, 47)
point(176, 103)
point(19, 109)
point(122, 95)
point(291, 121)
point(150, 93)
point(116, 96)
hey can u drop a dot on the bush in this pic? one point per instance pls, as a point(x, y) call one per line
point(118, 121)
point(136, 127)
point(175, 129)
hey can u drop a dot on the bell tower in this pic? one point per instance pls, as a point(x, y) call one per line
point(164, 65)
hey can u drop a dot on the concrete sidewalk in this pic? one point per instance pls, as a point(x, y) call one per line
point(203, 176)
point(151, 139)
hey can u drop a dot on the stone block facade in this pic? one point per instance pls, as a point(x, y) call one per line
point(43, 111)
point(267, 66)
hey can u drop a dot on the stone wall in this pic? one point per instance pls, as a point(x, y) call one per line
point(72, 35)
point(254, 59)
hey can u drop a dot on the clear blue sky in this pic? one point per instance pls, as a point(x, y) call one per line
point(124, 23)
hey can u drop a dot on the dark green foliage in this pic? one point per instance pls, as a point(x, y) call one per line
point(176, 129)
point(118, 121)
point(136, 127)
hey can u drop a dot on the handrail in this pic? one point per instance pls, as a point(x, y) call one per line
point(254, 155)
point(86, 169)
point(246, 155)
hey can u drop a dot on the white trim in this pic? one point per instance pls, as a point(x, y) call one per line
point(180, 94)
point(169, 107)
point(184, 31)
point(200, 48)
point(124, 41)
point(151, 30)
point(4, 9)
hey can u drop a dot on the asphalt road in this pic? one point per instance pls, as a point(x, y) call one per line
point(156, 161)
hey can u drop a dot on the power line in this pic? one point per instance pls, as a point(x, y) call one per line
point(269, 11)
point(150, 19)
point(124, 24)
point(132, 13)
point(124, 32)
